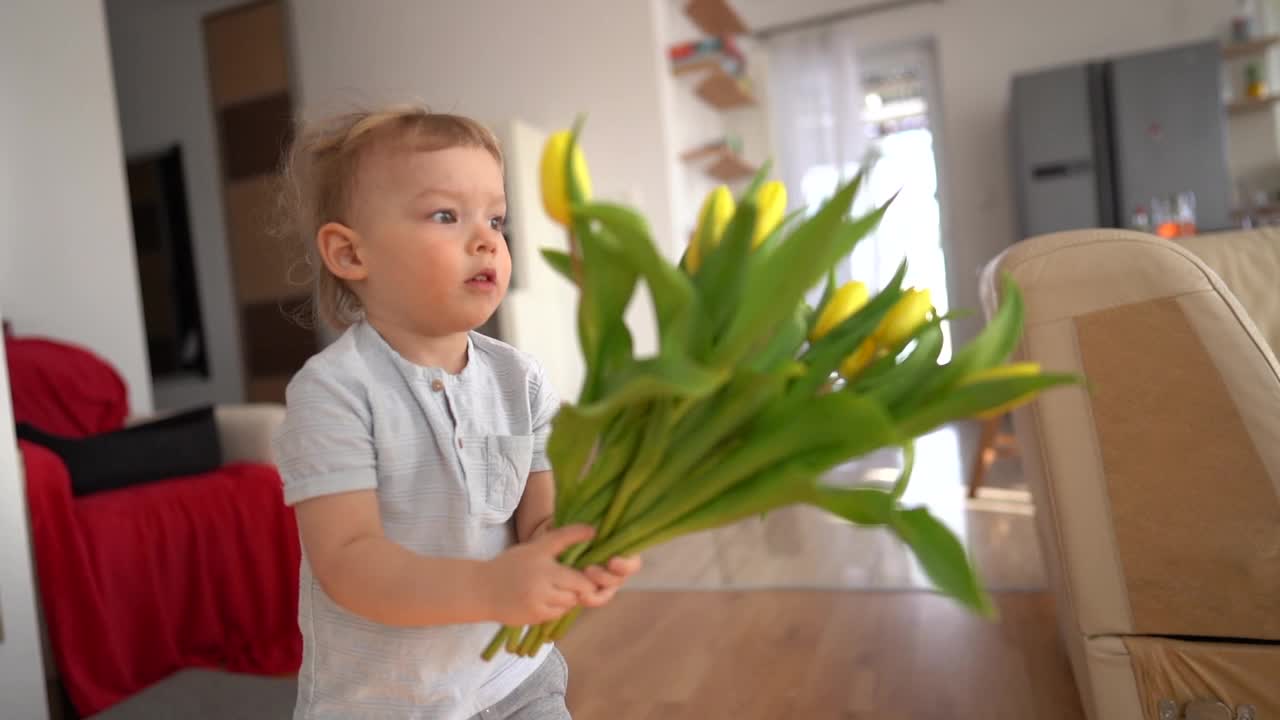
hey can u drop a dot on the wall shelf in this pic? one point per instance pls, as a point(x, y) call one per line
point(726, 165)
point(715, 17)
point(721, 90)
point(718, 89)
point(1252, 104)
point(1249, 47)
point(1268, 210)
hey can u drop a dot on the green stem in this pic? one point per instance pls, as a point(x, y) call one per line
point(591, 511)
point(616, 449)
point(532, 640)
point(723, 416)
point(499, 639)
point(515, 638)
point(734, 463)
point(562, 625)
point(908, 464)
point(652, 448)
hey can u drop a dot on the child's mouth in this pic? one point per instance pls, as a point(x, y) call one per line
point(484, 280)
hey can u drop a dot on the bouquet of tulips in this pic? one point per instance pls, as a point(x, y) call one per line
point(752, 395)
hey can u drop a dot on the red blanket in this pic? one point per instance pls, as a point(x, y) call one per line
point(199, 571)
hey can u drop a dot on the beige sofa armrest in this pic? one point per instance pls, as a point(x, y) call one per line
point(245, 431)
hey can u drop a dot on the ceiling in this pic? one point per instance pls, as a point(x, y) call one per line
point(759, 14)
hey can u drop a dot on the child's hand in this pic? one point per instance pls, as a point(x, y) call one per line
point(609, 579)
point(526, 585)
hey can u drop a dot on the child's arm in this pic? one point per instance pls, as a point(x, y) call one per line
point(537, 506)
point(380, 580)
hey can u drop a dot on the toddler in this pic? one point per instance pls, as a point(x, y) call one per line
point(414, 449)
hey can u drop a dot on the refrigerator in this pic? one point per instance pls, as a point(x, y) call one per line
point(1094, 143)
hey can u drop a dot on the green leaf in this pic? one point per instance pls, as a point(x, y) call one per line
point(723, 273)
point(668, 374)
point(560, 261)
point(827, 292)
point(673, 293)
point(573, 436)
point(778, 279)
point(770, 242)
point(710, 423)
point(840, 425)
point(908, 464)
point(942, 557)
point(757, 181)
point(702, 236)
point(969, 400)
point(608, 285)
point(772, 462)
point(889, 387)
point(614, 452)
point(861, 506)
point(784, 345)
point(992, 346)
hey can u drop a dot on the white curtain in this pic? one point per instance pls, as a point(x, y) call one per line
point(816, 100)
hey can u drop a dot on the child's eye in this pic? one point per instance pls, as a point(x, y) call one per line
point(498, 223)
point(444, 216)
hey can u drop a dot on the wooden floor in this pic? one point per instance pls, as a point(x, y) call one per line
point(774, 655)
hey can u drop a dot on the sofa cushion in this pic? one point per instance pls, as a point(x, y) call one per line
point(64, 389)
point(184, 443)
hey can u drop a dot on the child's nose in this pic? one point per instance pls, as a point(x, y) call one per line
point(482, 240)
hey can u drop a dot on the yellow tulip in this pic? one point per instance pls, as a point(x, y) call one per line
point(1023, 369)
point(904, 317)
point(717, 209)
point(555, 184)
point(846, 301)
point(866, 353)
point(772, 205)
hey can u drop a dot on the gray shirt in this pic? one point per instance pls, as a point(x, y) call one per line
point(448, 456)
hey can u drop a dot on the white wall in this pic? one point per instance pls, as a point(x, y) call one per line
point(157, 53)
point(542, 62)
point(21, 671)
point(981, 44)
point(693, 122)
point(66, 243)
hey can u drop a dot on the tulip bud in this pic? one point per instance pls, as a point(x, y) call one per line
point(713, 218)
point(911, 310)
point(846, 301)
point(555, 183)
point(772, 204)
point(1012, 370)
point(859, 360)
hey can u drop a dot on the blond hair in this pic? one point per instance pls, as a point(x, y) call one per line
point(319, 176)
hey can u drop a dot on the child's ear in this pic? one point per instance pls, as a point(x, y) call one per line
point(340, 249)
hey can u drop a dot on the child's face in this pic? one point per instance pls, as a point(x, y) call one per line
point(431, 225)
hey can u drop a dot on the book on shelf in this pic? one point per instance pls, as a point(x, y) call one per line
point(722, 49)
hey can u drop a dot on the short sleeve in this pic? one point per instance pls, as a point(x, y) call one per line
point(544, 403)
point(325, 444)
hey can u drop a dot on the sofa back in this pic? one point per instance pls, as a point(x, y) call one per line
point(1248, 261)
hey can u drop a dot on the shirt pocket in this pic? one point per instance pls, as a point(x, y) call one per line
point(506, 470)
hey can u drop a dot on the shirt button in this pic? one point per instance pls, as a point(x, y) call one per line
point(437, 385)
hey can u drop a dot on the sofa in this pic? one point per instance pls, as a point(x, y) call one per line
point(140, 583)
point(1157, 485)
